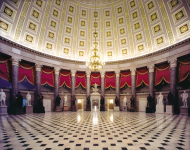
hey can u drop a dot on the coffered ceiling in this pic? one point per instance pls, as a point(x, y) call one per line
point(126, 28)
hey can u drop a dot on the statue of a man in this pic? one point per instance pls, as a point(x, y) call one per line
point(58, 100)
point(19, 100)
point(2, 98)
point(124, 101)
point(40, 100)
point(95, 89)
point(170, 98)
point(28, 97)
point(65, 100)
point(102, 101)
point(132, 101)
point(74, 99)
point(88, 100)
point(160, 99)
point(184, 98)
point(117, 101)
point(150, 101)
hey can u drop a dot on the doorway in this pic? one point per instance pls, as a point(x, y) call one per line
point(142, 104)
point(47, 105)
point(80, 104)
point(110, 104)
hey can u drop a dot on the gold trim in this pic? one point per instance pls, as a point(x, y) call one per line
point(89, 28)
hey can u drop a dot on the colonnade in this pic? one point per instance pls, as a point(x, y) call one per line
point(173, 69)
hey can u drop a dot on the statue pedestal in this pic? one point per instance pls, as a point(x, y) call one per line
point(132, 109)
point(65, 108)
point(183, 110)
point(58, 109)
point(116, 108)
point(102, 108)
point(29, 109)
point(74, 108)
point(39, 109)
point(88, 108)
point(148, 109)
point(159, 108)
point(3, 110)
point(124, 108)
point(169, 109)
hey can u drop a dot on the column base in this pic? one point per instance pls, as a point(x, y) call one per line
point(74, 108)
point(102, 108)
point(15, 110)
point(160, 109)
point(132, 109)
point(65, 108)
point(116, 108)
point(28, 109)
point(88, 108)
point(148, 109)
point(183, 110)
point(58, 109)
point(169, 109)
point(3, 110)
point(124, 108)
point(39, 109)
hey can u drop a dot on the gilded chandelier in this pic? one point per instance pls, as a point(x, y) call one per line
point(95, 61)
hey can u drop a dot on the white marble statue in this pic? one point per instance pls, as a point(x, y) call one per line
point(95, 89)
point(65, 100)
point(124, 101)
point(2, 98)
point(160, 99)
point(28, 99)
point(184, 99)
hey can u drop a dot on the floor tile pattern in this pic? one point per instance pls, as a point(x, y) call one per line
point(84, 130)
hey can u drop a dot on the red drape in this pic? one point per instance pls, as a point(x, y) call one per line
point(80, 79)
point(65, 78)
point(95, 78)
point(47, 76)
point(26, 71)
point(125, 79)
point(5, 69)
point(184, 71)
point(110, 80)
point(142, 77)
point(162, 72)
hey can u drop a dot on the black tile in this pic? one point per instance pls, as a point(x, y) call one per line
point(105, 149)
point(42, 145)
point(113, 144)
point(60, 144)
point(95, 144)
point(78, 144)
point(124, 148)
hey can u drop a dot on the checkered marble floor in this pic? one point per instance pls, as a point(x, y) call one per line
point(84, 130)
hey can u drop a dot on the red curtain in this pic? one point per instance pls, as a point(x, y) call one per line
point(47, 76)
point(162, 72)
point(184, 71)
point(5, 69)
point(26, 71)
point(95, 78)
point(142, 77)
point(80, 79)
point(65, 78)
point(110, 80)
point(125, 79)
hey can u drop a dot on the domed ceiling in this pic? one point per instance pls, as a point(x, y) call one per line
point(126, 28)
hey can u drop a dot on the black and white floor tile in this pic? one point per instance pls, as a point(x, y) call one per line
point(84, 130)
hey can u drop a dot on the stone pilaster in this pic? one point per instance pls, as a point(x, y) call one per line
point(56, 81)
point(117, 73)
point(87, 87)
point(73, 72)
point(151, 79)
point(103, 87)
point(133, 81)
point(38, 81)
point(173, 72)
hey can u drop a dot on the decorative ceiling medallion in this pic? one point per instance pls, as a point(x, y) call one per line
point(83, 23)
point(107, 13)
point(124, 52)
point(150, 6)
point(157, 28)
point(70, 20)
point(159, 40)
point(95, 14)
point(108, 34)
point(123, 41)
point(95, 34)
point(8, 11)
point(108, 24)
point(39, 3)
point(5, 26)
point(57, 3)
point(49, 46)
point(55, 13)
point(81, 53)
point(68, 30)
point(132, 4)
point(81, 43)
point(183, 29)
point(109, 44)
point(137, 26)
point(53, 24)
point(29, 38)
point(67, 40)
point(179, 15)
point(122, 31)
point(82, 33)
point(141, 47)
point(15, 2)
point(139, 37)
point(32, 26)
point(109, 54)
point(71, 9)
point(119, 10)
point(121, 21)
point(174, 4)
point(66, 51)
point(154, 17)
point(83, 13)
point(35, 14)
point(95, 24)
point(51, 35)
point(135, 15)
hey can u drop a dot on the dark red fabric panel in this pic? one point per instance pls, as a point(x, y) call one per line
point(4, 70)
point(80, 79)
point(47, 76)
point(142, 76)
point(162, 72)
point(110, 78)
point(95, 78)
point(65, 78)
point(125, 79)
point(184, 71)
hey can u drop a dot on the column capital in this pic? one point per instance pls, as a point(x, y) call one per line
point(15, 61)
point(102, 73)
point(151, 68)
point(173, 62)
point(117, 72)
point(88, 72)
point(73, 72)
point(133, 71)
point(56, 69)
point(38, 67)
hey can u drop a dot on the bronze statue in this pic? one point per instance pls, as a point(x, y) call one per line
point(40, 100)
point(132, 101)
point(102, 101)
point(170, 98)
point(150, 101)
point(73, 99)
point(19, 100)
point(58, 100)
point(88, 100)
point(117, 101)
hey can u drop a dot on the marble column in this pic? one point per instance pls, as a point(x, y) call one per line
point(173, 72)
point(117, 73)
point(73, 72)
point(15, 67)
point(151, 79)
point(56, 82)
point(38, 81)
point(133, 81)
point(103, 87)
point(87, 87)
